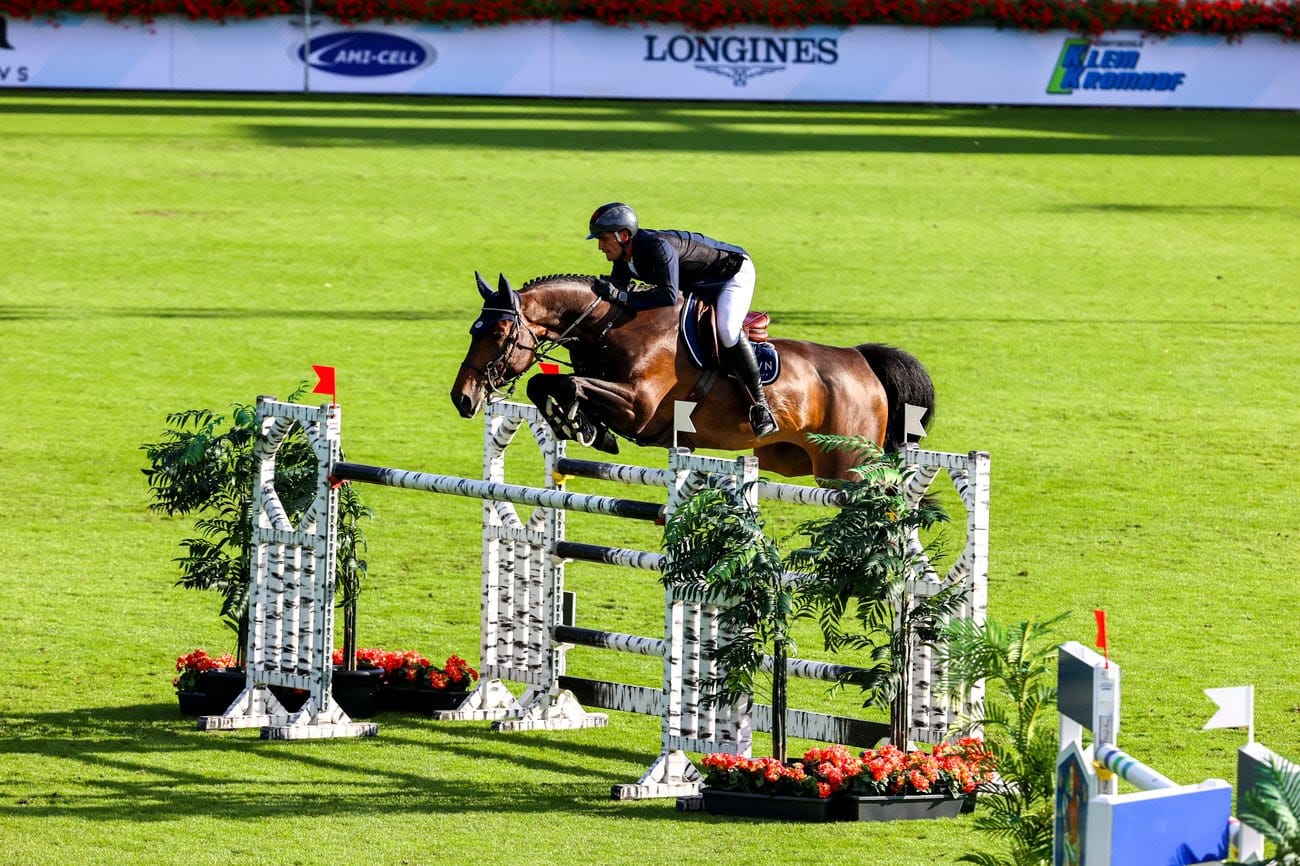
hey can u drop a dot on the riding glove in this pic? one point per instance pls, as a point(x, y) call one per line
point(607, 290)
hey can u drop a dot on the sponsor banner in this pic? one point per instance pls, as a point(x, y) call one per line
point(510, 60)
point(1114, 69)
point(80, 52)
point(869, 64)
point(239, 55)
point(585, 59)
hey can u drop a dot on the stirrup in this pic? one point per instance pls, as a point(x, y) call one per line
point(762, 421)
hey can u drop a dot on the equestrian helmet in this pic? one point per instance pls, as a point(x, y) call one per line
point(610, 218)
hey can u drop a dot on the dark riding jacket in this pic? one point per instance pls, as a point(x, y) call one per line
point(673, 262)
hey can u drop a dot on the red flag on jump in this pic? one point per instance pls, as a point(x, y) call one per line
point(326, 383)
point(1101, 634)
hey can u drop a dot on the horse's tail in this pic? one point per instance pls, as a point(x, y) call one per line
point(905, 381)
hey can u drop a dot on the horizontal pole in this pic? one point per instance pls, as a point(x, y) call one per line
point(776, 490)
point(497, 491)
point(805, 724)
point(1131, 770)
point(626, 643)
point(611, 555)
point(649, 646)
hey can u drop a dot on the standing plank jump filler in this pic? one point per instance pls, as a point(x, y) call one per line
point(524, 633)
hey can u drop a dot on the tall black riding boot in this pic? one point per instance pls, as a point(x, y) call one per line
point(745, 365)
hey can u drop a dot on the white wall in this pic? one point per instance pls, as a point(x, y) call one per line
point(584, 59)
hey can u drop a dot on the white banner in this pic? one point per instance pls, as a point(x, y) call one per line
point(864, 64)
point(585, 59)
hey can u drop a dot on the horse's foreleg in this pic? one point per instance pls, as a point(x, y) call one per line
point(618, 405)
point(581, 408)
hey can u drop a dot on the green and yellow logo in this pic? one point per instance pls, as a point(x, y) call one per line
point(1083, 67)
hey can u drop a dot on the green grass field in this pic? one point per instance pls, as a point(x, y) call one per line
point(1107, 301)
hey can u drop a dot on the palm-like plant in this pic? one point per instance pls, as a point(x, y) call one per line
point(205, 466)
point(1273, 808)
point(717, 548)
point(861, 559)
point(1017, 716)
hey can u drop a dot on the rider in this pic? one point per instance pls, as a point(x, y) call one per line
point(673, 262)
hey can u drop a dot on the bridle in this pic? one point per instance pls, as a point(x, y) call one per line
point(495, 373)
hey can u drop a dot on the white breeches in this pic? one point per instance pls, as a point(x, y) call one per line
point(733, 303)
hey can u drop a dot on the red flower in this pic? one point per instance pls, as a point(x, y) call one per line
point(1229, 18)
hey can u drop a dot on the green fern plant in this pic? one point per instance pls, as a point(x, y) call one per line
point(860, 560)
point(1019, 724)
point(1273, 808)
point(204, 466)
point(854, 571)
point(718, 549)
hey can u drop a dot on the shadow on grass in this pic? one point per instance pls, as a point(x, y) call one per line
point(28, 312)
point(581, 125)
point(789, 324)
point(785, 323)
point(145, 763)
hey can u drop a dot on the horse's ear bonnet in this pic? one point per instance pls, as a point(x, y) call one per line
point(498, 305)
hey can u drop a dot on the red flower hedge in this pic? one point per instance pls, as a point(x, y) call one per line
point(1229, 18)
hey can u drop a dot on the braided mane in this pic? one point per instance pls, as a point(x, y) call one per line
point(584, 278)
point(587, 278)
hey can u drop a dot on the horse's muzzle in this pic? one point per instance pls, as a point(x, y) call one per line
point(465, 404)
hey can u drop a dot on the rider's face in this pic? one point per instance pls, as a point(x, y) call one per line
point(609, 245)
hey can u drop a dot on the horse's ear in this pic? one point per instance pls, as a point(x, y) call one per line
point(503, 285)
point(482, 286)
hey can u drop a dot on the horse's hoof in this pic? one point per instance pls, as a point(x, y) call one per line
point(606, 442)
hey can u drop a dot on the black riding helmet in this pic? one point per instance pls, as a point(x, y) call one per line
point(610, 218)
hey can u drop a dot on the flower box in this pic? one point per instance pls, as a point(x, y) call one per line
point(425, 701)
point(720, 801)
point(908, 807)
point(357, 692)
point(193, 703)
point(221, 686)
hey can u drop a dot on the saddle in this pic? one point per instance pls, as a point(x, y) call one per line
point(700, 334)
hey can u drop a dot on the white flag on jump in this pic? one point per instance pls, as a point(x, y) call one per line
point(682, 419)
point(1236, 708)
point(912, 416)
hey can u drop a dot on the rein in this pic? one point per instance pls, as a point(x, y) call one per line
point(543, 348)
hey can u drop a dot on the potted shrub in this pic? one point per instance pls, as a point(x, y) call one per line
point(414, 684)
point(1273, 808)
point(204, 466)
point(856, 567)
point(860, 560)
point(717, 547)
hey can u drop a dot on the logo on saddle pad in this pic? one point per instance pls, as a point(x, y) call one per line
point(701, 338)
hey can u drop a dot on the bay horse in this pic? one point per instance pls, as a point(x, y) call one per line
point(630, 368)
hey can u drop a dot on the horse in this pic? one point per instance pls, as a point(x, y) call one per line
point(630, 368)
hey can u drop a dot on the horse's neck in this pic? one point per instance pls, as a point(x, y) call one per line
point(558, 307)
